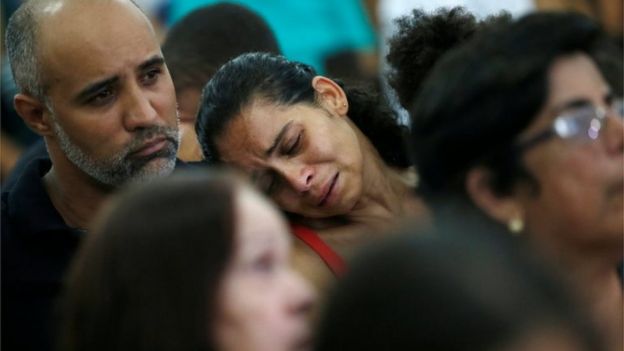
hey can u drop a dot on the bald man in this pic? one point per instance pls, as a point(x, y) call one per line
point(94, 84)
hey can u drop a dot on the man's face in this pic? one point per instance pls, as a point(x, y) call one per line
point(111, 101)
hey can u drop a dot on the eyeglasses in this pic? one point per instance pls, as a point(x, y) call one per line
point(582, 124)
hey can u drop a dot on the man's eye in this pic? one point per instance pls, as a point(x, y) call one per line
point(103, 97)
point(150, 77)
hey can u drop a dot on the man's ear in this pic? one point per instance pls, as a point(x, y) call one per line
point(502, 208)
point(34, 113)
point(330, 95)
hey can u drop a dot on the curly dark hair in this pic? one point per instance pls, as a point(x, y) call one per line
point(422, 38)
point(285, 82)
point(481, 96)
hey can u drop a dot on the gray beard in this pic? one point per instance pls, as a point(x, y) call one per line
point(120, 169)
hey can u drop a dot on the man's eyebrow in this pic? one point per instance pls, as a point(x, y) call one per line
point(278, 138)
point(155, 60)
point(94, 88)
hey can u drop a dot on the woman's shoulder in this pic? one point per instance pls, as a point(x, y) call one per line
point(307, 262)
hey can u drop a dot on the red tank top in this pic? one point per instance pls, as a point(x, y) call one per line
point(335, 263)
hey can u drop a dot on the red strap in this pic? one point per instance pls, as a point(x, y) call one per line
point(335, 263)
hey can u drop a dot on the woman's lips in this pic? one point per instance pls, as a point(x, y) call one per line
point(330, 190)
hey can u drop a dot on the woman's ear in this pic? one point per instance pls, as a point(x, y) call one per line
point(504, 209)
point(330, 95)
point(34, 113)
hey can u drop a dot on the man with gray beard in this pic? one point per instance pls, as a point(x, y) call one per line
point(93, 83)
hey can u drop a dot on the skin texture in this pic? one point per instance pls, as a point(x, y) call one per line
point(304, 163)
point(319, 143)
point(580, 203)
point(122, 117)
point(124, 131)
point(263, 302)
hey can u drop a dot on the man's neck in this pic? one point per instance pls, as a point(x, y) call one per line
point(76, 196)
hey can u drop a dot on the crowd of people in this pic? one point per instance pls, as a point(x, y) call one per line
point(208, 192)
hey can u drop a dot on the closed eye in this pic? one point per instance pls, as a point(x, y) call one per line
point(294, 146)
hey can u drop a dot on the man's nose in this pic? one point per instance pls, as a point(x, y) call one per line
point(139, 112)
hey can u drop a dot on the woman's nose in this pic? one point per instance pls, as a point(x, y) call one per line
point(298, 176)
point(614, 133)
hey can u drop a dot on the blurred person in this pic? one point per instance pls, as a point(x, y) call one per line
point(308, 31)
point(388, 11)
point(331, 157)
point(213, 274)
point(457, 290)
point(195, 48)
point(93, 83)
point(520, 128)
point(422, 38)
point(610, 13)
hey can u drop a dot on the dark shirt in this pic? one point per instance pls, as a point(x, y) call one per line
point(33, 152)
point(37, 247)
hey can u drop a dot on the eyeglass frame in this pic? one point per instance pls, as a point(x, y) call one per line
point(593, 132)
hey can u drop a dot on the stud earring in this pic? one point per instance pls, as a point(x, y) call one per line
point(516, 225)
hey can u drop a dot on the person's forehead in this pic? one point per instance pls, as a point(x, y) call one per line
point(240, 145)
point(95, 37)
point(79, 18)
point(575, 76)
point(248, 136)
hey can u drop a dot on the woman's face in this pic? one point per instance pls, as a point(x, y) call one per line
point(262, 303)
point(580, 201)
point(307, 159)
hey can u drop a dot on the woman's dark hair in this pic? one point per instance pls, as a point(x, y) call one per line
point(283, 82)
point(444, 292)
point(422, 38)
point(147, 277)
point(481, 96)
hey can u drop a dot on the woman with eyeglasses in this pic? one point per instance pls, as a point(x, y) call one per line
point(519, 128)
